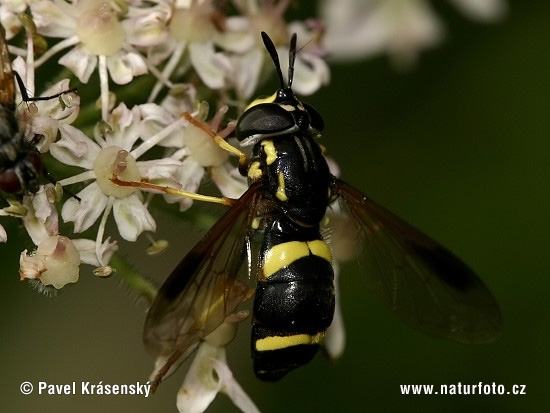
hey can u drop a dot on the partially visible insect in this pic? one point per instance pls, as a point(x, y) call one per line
point(20, 162)
point(289, 193)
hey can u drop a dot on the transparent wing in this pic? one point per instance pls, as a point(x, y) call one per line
point(7, 84)
point(422, 282)
point(207, 285)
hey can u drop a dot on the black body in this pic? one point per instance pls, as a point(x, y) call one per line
point(298, 299)
point(20, 162)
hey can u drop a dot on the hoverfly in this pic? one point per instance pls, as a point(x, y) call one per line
point(20, 161)
point(288, 196)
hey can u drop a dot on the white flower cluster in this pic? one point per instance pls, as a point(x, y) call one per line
point(194, 42)
point(188, 50)
point(356, 29)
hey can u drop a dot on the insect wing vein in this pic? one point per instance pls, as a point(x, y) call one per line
point(206, 286)
point(421, 281)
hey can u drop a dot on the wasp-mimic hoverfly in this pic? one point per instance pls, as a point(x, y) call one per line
point(290, 189)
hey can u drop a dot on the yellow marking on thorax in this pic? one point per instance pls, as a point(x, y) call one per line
point(281, 194)
point(269, 99)
point(288, 108)
point(270, 151)
point(280, 342)
point(284, 254)
point(254, 172)
point(255, 223)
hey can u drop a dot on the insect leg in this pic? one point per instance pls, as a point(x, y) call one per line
point(221, 142)
point(171, 191)
point(26, 98)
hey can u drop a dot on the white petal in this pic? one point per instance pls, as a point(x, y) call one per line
point(106, 250)
point(87, 250)
point(164, 168)
point(189, 176)
point(20, 66)
point(53, 108)
point(311, 72)
point(229, 181)
point(51, 20)
point(200, 386)
point(482, 10)
point(88, 210)
point(232, 388)
point(46, 128)
point(209, 65)
point(74, 148)
point(8, 17)
point(80, 62)
point(335, 339)
point(155, 114)
point(146, 30)
point(155, 118)
point(333, 166)
point(3, 234)
point(42, 207)
point(41, 220)
point(182, 101)
point(132, 217)
point(246, 71)
point(123, 67)
point(237, 36)
point(357, 29)
point(353, 28)
point(126, 127)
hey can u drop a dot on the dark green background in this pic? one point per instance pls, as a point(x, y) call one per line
point(459, 147)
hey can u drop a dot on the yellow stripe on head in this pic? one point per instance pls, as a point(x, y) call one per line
point(269, 99)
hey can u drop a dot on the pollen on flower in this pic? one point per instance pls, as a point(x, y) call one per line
point(114, 160)
point(99, 29)
point(56, 262)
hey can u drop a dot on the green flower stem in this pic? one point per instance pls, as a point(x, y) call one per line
point(136, 281)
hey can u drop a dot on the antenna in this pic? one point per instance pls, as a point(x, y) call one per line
point(274, 56)
point(291, 59)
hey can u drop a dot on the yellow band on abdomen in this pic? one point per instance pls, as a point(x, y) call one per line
point(284, 254)
point(280, 342)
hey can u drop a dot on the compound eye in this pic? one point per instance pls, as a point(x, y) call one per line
point(264, 119)
point(315, 119)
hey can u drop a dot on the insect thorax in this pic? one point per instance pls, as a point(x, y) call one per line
point(295, 174)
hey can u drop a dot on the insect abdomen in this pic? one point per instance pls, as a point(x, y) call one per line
point(294, 302)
